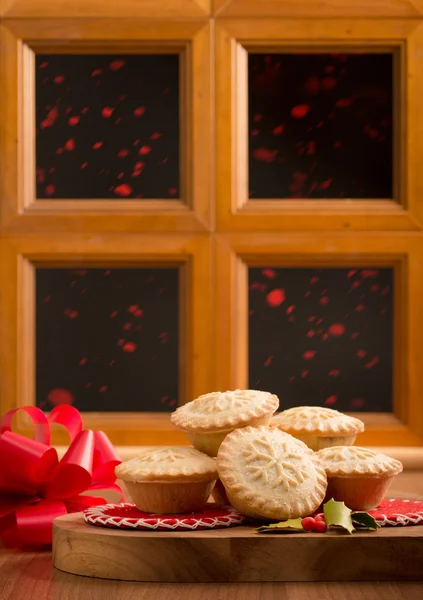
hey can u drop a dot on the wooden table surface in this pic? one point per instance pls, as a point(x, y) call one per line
point(30, 576)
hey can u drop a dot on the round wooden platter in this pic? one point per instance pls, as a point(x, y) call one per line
point(235, 554)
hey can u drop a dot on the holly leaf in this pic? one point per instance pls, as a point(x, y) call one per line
point(363, 520)
point(338, 515)
point(289, 526)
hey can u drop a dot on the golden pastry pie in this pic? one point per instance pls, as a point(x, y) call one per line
point(357, 476)
point(268, 474)
point(169, 479)
point(207, 420)
point(318, 427)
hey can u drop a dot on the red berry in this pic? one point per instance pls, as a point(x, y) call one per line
point(320, 517)
point(320, 527)
point(309, 524)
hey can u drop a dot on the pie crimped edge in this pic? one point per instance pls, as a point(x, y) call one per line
point(168, 464)
point(248, 493)
point(218, 411)
point(317, 420)
point(352, 461)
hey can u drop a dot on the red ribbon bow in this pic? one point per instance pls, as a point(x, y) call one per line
point(35, 487)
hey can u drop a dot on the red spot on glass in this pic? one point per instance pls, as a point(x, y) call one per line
point(73, 121)
point(107, 112)
point(112, 362)
point(325, 336)
point(113, 314)
point(344, 102)
point(269, 273)
point(72, 314)
point(264, 154)
point(385, 290)
point(372, 132)
point(43, 65)
point(361, 353)
point(51, 118)
point(255, 132)
point(307, 294)
point(83, 165)
point(122, 153)
point(329, 83)
point(97, 145)
point(257, 118)
point(59, 79)
point(351, 273)
point(325, 184)
point(275, 297)
point(329, 69)
point(304, 373)
point(334, 373)
point(292, 378)
point(311, 147)
point(300, 111)
point(47, 299)
point(298, 180)
point(70, 144)
point(82, 361)
point(58, 396)
point(369, 273)
point(268, 361)
point(120, 175)
point(310, 333)
point(312, 85)
point(372, 363)
point(172, 402)
point(256, 285)
point(80, 272)
point(314, 279)
point(50, 189)
point(115, 65)
point(172, 191)
point(374, 288)
point(358, 402)
point(319, 321)
point(336, 329)
point(290, 309)
point(311, 319)
point(359, 308)
point(155, 136)
point(88, 384)
point(324, 300)
point(139, 111)
point(120, 343)
point(123, 190)
point(40, 176)
point(96, 72)
point(309, 354)
point(144, 150)
point(133, 308)
point(103, 388)
point(354, 335)
point(127, 326)
point(331, 400)
point(59, 151)
point(84, 110)
point(138, 313)
point(337, 144)
point(278, 130)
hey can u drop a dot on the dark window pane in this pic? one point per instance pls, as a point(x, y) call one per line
point(320, 125)
point(322, 337)
point(107, 339)
point(107, 126)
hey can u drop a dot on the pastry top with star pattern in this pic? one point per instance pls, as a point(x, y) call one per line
point(273, 470)
point(224, 410)
point(317, 420)
point(352, 461)
point(168, 463)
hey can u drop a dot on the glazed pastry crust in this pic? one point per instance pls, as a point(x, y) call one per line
point(220, 411)
point(269, 474)
point(316, 420)
point(168, 464)
point(353, 461)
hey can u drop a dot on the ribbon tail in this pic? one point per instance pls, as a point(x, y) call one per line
point(30, 526)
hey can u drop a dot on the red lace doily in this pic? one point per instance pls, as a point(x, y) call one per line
point(398, 512)
point(127, 516)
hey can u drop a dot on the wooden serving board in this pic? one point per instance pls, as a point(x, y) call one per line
point(236, 554)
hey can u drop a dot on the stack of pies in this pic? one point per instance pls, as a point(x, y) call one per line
point(267, 466)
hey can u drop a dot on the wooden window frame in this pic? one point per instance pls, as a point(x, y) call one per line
point(21, 39)
point(309, 8)
point(234, 37)
point(402, 251)
point(131, 9)
point(21, 256)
